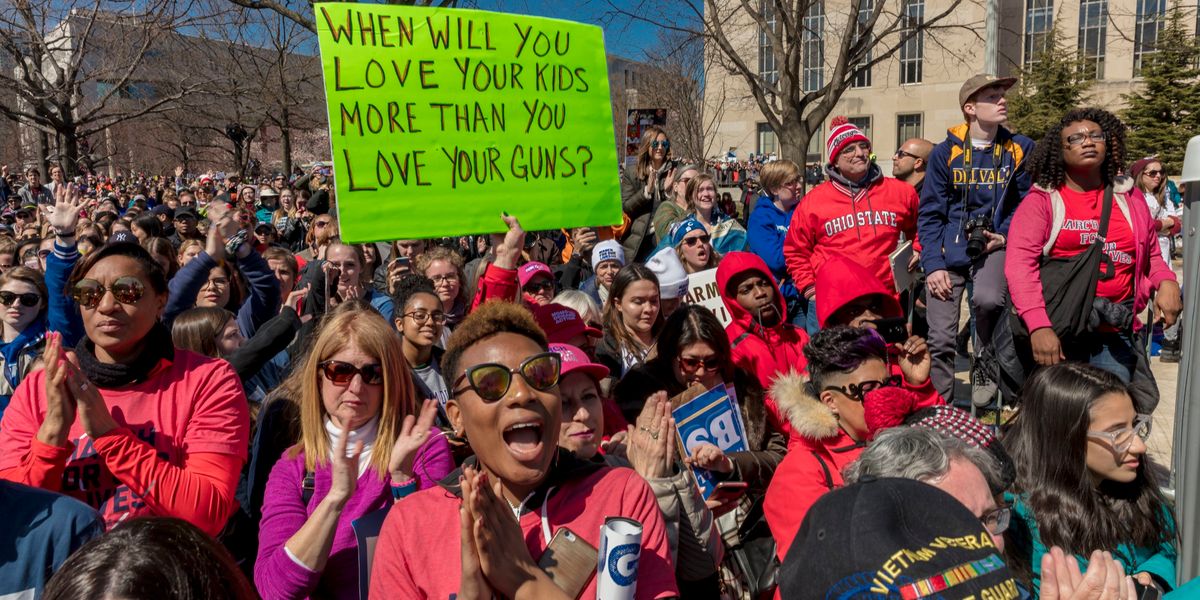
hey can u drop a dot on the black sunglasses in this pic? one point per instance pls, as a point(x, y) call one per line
point(534, 287)
point(857, 391)
point(127, 290)
point(491, 380)
point(29, 299)
point(342, 373)
point(657, 144)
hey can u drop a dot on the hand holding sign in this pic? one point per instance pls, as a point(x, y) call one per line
point(710, 426)
point(709, 457)
point(509, 244)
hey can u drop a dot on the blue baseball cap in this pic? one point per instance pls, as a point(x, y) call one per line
point(683, 228)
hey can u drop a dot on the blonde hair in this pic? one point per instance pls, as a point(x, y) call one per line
point(693, 188)
point(645, 159)
point(581, 303)
point(365, 329)
point(425, 259)
point(776, 173)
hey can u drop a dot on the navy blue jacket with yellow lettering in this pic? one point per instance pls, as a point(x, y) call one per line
point(962, 182)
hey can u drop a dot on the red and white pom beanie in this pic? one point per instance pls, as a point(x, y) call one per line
point(841, 133)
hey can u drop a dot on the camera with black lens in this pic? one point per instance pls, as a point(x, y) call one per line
point(977, 228)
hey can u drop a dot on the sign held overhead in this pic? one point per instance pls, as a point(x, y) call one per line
point(441, 119)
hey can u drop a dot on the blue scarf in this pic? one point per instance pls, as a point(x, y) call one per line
point(31, 336)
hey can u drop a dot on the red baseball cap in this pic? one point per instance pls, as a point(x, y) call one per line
point(562, 323)
point(574, 359)
point(531, 269)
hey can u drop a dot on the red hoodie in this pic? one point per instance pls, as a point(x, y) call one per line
point(828, 223)
point(840, 281)
point(766, 352)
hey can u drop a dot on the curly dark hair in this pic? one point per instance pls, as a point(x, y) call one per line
point(410, 285)
point(1047, 166)
point(841, 349)
point(494, 317)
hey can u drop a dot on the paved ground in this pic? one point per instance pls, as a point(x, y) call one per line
point(1161, 434)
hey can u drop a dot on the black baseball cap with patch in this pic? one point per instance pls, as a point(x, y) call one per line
point(893, 538)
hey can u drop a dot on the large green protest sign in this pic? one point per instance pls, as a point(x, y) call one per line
point(440, 119)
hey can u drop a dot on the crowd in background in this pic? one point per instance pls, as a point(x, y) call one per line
point(207, 392)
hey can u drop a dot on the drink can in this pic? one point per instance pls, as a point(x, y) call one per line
point(620, 549)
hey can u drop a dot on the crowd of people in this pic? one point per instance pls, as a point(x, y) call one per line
point(208, 393)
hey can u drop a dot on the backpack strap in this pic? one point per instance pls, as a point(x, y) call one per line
point(307, 487)
point(824, 467)
point(1058, 216)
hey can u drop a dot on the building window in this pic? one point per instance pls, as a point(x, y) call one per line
point(863, 123)
point(1151, 17)
point(908, 127)
point(816, 144)
point(912, 53)
point(814, 47)
point(1039, 28)
point(767, 142)
point(1093, 20)
point(863, 78)
point(766, 53)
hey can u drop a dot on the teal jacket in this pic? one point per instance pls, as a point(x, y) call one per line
point(1158, 561)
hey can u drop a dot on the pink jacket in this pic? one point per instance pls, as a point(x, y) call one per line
point(1030, 231)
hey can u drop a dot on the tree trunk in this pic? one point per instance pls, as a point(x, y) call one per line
point(43, 149)
point(793, 141)
point(239, 158)
point(69, 154)
point(285, 141)
point(793, 146)
point(68, 141)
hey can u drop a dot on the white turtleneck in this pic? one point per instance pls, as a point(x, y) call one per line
point(366, 434)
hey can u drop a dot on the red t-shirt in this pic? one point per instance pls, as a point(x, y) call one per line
point(192, 405)
point(419, 555)
point(1079, 231)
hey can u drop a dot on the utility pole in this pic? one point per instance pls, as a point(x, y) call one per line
point(1186, 449)
point(992, 24)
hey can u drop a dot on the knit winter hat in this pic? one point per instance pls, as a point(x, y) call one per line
point(608, 250)
point(958, 423)
point(841, 133)
point(672, 278)
point(1140, 165)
